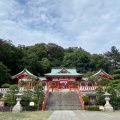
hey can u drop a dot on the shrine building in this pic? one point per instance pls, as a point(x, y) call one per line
point(61, 77)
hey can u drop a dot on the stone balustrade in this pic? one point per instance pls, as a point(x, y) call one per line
point(88, 88)
point(82, 88)
point(4, 90)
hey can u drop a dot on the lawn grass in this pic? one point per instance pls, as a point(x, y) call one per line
point(34, 115)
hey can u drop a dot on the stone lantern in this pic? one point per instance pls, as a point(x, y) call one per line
point(107, 106)
point(17, 107)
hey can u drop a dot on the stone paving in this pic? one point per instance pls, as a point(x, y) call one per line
point(84, 115)
point(63, 115)
point(97, 115)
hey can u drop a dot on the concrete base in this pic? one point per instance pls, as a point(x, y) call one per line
point(108, 108)
point(17, 108)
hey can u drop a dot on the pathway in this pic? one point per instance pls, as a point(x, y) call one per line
point(84, 115)
point(63, 115)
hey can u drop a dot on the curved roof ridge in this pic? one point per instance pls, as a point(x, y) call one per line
point(24, 70)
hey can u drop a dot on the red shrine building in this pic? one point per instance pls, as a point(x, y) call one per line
point(61, 77)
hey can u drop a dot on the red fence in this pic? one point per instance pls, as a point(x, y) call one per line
point(45, 99)
point(81, 99)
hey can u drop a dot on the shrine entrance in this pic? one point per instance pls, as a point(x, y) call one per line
point(63, 78)
point(63, 84)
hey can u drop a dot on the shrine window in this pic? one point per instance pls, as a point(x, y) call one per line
point(43, 84)
point(89, 84)
point(82, 84)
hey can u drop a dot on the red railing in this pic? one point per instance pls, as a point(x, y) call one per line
point(45, 99)
point(81, 99)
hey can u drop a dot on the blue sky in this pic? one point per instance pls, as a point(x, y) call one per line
point(93, 25)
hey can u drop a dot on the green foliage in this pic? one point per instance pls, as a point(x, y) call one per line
point(10, 55)
point(32, 108)
point(74, 83)
point(79, 59)
point(114, 83)
point(10, 98)
point(23, 83)
point(100, 98)
point(6, 85)
point(116, 73)
point(39, 94)
point(26, 98)
point(92, 108)
point(104, 82)
point(113, 56)
point(116, 76)
point(98, 61)
point(56, 54)
point(4, 74)
point(1, 95)
point(86, 100)
point(118, 87)
point(113, 97)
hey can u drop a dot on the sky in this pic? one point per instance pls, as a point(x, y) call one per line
point(93, 25)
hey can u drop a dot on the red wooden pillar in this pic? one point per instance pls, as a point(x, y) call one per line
point(69, 83)
point(58, 83)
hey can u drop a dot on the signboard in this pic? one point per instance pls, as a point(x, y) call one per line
point(2, 104)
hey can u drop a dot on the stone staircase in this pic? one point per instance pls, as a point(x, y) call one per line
point(63, 100)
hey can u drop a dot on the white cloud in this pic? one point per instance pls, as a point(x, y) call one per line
point(93, 25)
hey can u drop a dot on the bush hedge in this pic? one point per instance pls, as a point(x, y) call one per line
point(86, 100)
point(92, 108)
point(6, 85)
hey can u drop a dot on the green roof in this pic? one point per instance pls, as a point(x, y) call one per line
point(24, 71)
point(102, 73)
point(42, 78)
point(63, 72)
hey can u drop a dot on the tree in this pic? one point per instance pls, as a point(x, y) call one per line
point(98, 61)
point(116, 73)
point(78, 59)
point(113, 56)
point(100, 98)
point(26, 98)
point(104, 82)
point(56, 54)
point(113, 97)
point(39, 94)
point(10, 98)
point(33, 59)
point(4, 74)
point(10, 55)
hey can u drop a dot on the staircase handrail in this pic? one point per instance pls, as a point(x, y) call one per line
point(81, 98)
point(45, 99)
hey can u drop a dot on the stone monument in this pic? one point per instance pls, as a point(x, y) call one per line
point(18, 107)
point(107, 106)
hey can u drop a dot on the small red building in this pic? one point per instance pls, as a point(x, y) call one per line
point(25, 76)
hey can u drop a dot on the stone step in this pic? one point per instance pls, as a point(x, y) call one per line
point(63, 100)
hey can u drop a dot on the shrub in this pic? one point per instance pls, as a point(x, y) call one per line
point(86, 100)
point(92, 108)
point(6, 85)
point(74, 83)
point(32, 108)
point(1, 95)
